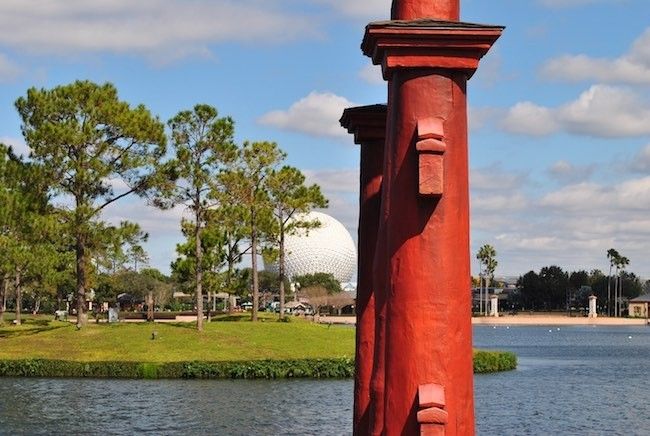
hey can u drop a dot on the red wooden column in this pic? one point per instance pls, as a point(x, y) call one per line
point(368, 125)
point(415, 9)
point(428, 345)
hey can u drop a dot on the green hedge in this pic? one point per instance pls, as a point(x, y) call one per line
point(484, 362)
point(266, 369)
point(494, 361)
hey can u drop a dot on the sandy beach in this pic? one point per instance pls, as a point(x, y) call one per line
point(520, 319)
point(545, 319)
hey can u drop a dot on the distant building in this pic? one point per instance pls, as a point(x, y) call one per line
point(638, 307)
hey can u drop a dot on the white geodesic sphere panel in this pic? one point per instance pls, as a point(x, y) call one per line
point(325, 249)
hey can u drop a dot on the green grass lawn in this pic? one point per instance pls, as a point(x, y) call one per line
point(40, 337)
point(230, 347)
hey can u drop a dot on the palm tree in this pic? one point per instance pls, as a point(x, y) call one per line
point(486, 255)
point(620, 266)
point(612, 256)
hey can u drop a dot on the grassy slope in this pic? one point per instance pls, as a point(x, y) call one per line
point(221, 341)
point(235, 340)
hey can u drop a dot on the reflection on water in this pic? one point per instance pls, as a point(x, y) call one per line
point(571, 381)
point(197, 407)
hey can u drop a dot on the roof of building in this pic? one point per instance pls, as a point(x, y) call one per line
point(294, 304)
point(644, 298)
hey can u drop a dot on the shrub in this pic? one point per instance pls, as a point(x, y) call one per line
point(484, 362)
point(494, 361)
point(256, 369)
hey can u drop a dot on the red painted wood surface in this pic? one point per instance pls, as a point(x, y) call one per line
point(417, 283)
point(414, 9)
point(368, 124)
point(428, 331)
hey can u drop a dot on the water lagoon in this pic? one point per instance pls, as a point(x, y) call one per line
point(575, 380)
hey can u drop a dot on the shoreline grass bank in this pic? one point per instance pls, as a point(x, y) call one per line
point(230, 347)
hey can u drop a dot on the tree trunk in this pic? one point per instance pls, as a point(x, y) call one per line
point(150, 306)
point(609, 293)
point(620, 296)
point(19, 296)
point(231, 306)
point(281, 268)
point(210, 295)
point(616, 294)
point(487, 286)
point(480, 293)
point(481, 297)
point(256, 289)
point(4, 287)
point(80, 251)
point(37, 305)
point(199, 275)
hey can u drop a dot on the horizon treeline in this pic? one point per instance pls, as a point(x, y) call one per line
point(552, 288)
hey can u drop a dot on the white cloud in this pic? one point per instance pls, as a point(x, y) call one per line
point(341, 188)
point(632, 68)
point(491, 70)
point(495, 178)
point(571, 226)
point(601, 111)
point(592, 198)
point(606, 111)
point(159, 28)
point(641, 162)
point(344, 181)
point(8, 69)
point(372, 74)
point(317, 114)
point(480, 117)
point(499, 203)
point(17, 144)
point(366, 9)
point(530, 119)
point(567, 172)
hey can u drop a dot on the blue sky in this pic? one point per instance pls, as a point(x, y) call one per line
point(559, 109)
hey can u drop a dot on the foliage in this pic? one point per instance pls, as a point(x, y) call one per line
point(290, 200)
point(254, 369)
point(319, 297)
point(326, 280)
point(555, 289)
point(85, 139)
point(544, 291)
point(204, 147)
point(30, 234)
point(136, 283)
point(269, 281)
point(116, 248)
point(486, 255)
point(245, 188)
point(493, 361)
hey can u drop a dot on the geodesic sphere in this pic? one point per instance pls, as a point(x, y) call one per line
point(325, 249)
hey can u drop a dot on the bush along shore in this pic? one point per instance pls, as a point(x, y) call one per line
point(493, 361)
point(484, 362)
point(261, 369)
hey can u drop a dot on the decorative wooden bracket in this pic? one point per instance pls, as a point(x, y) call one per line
point(431, 148)
point(432, 415)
